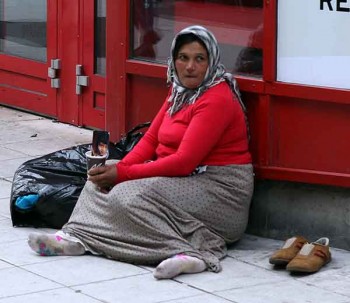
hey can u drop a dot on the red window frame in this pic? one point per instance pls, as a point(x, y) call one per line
point(262, 95)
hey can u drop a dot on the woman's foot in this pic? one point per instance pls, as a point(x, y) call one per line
point(54, 245)
point(179, 264)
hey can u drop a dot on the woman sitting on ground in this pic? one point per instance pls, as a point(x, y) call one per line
point(184, 191)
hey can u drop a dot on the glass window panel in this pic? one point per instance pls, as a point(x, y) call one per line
point(237, 25)
point(100, 37)
point(313, 51)
point(23, 28)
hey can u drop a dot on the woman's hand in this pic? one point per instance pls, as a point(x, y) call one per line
point(103, 176)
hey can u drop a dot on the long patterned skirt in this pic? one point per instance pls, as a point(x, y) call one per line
point(148, 220)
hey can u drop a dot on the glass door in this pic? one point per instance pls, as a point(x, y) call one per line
point(52, 58)
point(26, 51)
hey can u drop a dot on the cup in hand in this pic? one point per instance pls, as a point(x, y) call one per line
point(94, 161)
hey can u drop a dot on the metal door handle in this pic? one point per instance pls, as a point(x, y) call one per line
point(81, 80)
point(52, 73)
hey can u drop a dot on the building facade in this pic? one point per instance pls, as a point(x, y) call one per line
point(102, 64)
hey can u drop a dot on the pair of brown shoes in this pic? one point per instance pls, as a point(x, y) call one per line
point(301, 256)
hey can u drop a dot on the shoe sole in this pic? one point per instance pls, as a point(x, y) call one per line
point(306, 270)
point(279, 262)
point(300, 269)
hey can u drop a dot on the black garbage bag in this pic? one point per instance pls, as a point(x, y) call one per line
point(46, 189)
point(56, 180)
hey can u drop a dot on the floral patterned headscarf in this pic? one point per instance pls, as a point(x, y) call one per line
point(215, 74)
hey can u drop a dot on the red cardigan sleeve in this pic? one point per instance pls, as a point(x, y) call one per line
point(210, 118)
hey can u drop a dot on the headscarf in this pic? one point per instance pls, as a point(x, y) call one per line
point(216, 72)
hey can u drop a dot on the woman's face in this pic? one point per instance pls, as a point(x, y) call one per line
point(191, 64)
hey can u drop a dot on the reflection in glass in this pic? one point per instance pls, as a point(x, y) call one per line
point(237, 25)
point(23, 28)
point(100, 37)
point(145, 36)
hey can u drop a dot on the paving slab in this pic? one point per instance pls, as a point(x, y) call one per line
point(9, 234)
point(11, 154)
point(5, 207)
point(18, 253)
point(136, 289)
point(287, 291)
point(254, 250)
point(235, 274)
point(84, 269)
point(207, 298)
point(4, 264)
point(17, 281)
point(10, 166)
point(59, 295)
point(333, 280)
point(10, 115)
point(41, 146)
point(34, 130)
point(5, 188)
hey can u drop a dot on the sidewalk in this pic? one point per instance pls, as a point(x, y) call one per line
point(247, 277)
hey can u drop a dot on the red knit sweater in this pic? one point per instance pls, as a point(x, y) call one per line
point(212, 131)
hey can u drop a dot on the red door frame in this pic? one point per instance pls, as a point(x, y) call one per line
point(117, 49)
point(68, 53)
point(92, 100)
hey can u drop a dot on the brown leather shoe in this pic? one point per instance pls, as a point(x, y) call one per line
point(288, 251)
point(311, 257)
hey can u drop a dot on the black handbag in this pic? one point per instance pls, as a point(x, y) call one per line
point(120, 149)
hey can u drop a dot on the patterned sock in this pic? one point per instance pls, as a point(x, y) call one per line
point(178, 264)
point(54, 245)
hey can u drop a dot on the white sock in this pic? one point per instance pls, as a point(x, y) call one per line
point(178, 264)
point(54, 245)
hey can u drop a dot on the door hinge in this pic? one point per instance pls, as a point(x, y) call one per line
point(81, 80)
point(52, 73)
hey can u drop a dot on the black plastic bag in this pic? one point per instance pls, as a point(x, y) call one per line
point(57, 180)
point(59, 177)
point(127, 142)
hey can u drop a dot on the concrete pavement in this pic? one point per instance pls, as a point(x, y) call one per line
point(247, 277)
